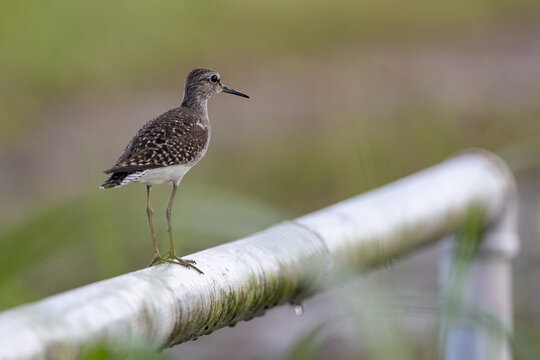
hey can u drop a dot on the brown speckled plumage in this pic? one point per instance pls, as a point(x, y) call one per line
point(177, 137)
point(165, 148)
point(173, 138)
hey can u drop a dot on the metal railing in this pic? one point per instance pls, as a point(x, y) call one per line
point(286, 263)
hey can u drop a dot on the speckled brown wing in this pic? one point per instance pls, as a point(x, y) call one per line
point(173, 138)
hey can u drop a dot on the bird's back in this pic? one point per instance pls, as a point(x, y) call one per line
point(177, 138)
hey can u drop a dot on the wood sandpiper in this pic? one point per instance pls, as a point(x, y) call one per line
point(165, 148)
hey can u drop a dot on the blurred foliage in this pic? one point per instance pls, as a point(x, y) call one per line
point(100, 236)
point(120, 351)
point(51, 48)
point(106, 232)
point(366, 311)
point(367, 323)
point(525, 343)
point(309, 346)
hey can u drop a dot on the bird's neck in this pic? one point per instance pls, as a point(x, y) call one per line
point(196, 101)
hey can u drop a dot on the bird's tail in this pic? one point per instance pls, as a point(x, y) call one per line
point(118, 179)
point(115, 180)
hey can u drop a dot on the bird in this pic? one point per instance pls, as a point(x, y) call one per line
point(165, 148)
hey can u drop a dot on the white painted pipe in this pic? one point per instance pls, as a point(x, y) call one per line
point(169, 304)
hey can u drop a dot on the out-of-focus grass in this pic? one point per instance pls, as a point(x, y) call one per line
point(339, 159)
point(525, 342)
point(106, 234)
point(309, 346)
point(122, 350)
point(369, 321)
point(52, 48)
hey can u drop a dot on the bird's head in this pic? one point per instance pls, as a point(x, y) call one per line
point(202, 83)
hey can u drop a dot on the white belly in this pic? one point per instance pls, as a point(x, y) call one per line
point(169, 174)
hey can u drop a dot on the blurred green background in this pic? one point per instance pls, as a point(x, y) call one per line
point(346, 96)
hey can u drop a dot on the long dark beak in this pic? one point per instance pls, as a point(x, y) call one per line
point(232, 91)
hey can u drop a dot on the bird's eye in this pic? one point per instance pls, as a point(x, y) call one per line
point(214, 79)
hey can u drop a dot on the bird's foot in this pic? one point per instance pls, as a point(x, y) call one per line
point(173, 259)
point(186, 262)
point(177, 258)
point(158, 259)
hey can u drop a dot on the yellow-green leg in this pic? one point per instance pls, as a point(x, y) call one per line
point(150, 212)
point(172, 252)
